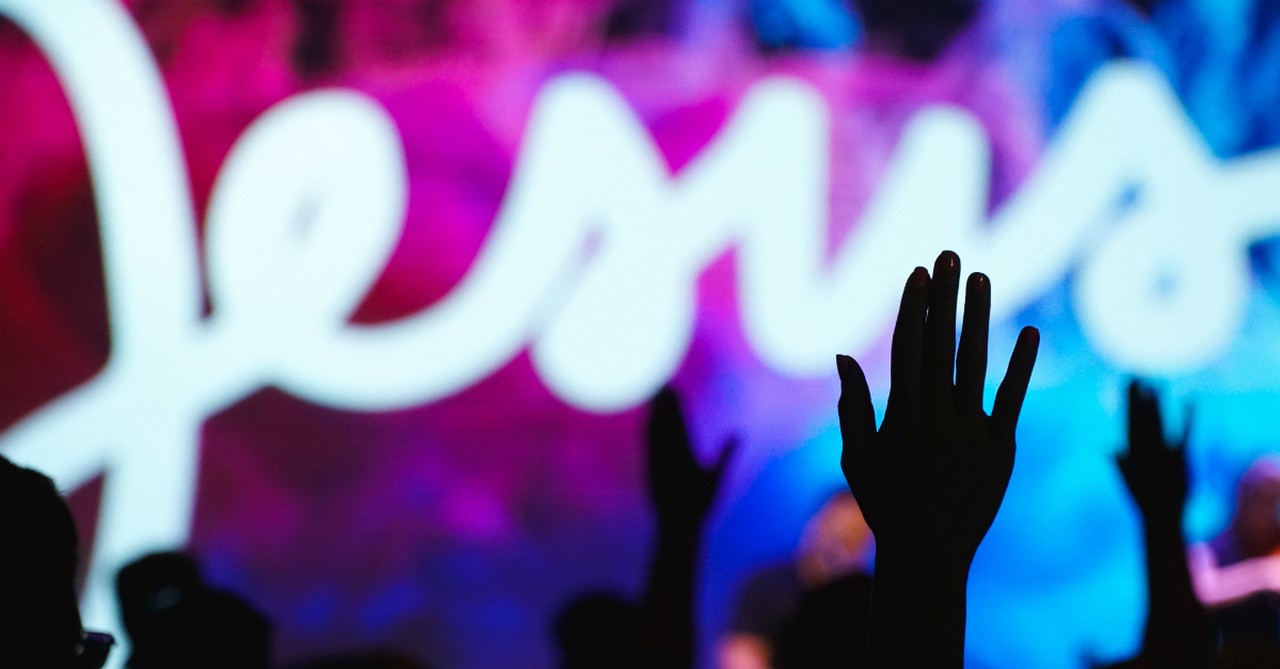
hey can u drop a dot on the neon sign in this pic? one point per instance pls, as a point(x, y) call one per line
point(1161, 284)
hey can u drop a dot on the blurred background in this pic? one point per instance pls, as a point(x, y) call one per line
point(454, 529)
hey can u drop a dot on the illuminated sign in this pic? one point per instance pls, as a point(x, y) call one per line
point(1127, 195)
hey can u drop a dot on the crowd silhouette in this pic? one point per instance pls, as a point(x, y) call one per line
point(835, 548)
point(39, 617)
point(168, 610)
point(928, 479)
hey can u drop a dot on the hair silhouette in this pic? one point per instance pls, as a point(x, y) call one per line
point(39, 617)
point(599, 630)
point(175, 620)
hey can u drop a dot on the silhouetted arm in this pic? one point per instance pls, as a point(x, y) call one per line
point(931, 479)
point(682, 491)
point(1219, 586)
point(1178, 633)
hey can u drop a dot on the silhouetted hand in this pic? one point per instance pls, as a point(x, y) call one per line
point(683, 492)
point(1178, 634)
point(1154, 468)
point(931, 479)
point(681, 488)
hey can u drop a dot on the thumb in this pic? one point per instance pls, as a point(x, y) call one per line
point(857, 415)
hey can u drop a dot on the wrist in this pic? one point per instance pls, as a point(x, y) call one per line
point(918, 608)
point(1163, 526)
point(924, 563)
point(681, 529)
point(936, 586)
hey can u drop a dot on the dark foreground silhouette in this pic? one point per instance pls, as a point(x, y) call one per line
point(175, 619)
point(603, 629)
point(931, 478)
point(39, 615)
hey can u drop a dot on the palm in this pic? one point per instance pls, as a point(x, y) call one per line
point(1154, 467)
point(682, 489)
point(932, 477)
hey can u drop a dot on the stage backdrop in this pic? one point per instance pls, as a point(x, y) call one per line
point(361, 302)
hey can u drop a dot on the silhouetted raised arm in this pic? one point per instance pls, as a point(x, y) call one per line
point(1178, 634)
point(682, 491)
point(932, 477)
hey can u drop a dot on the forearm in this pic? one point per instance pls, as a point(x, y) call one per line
point(669, 594)
point(1222, 586)
point(1178, 632)
point(917, 612)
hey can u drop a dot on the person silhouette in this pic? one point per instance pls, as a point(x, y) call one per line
point(174, 619)
point(1177, 633)
point(603, 629)
point(39, 614)
point(835, 546)
point(1237, 573)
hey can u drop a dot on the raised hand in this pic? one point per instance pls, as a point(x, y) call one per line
point(1178, 634)
point(1154, 468)
point(682, 489)
point(932, 477)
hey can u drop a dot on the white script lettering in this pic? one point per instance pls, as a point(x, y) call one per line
point(605, 328)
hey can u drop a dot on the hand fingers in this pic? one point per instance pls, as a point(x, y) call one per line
point(940, 328)
point(971, 358)
point(665, 417)
point(1133, 413)
point(908, 344)
point(1146, 432)
point(1188, 419)
point(1125, 464)
point(857, 415)
point(1013, 389)
point(666, 432)
point(728, 452)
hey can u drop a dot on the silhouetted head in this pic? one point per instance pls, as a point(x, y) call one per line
point(39, 617)
point(829, 629)
point(914, 29)
point(315, 49)
point(1256, 524)
point(175, 620)
point(150, 585)
point(599, 630)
